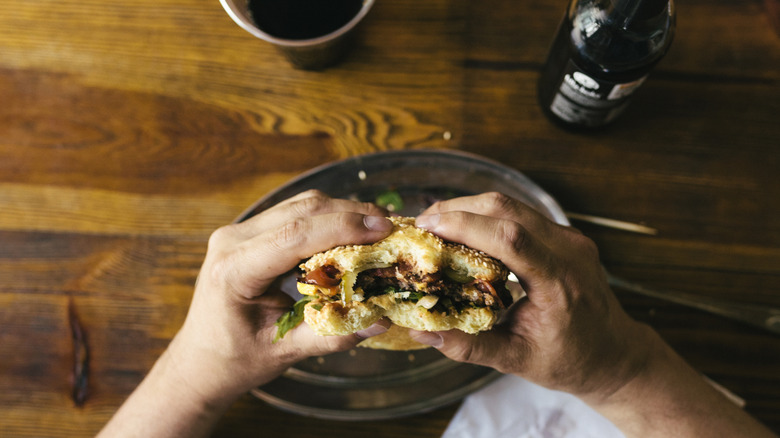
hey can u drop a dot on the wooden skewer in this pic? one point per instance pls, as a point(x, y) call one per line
point(612, 223)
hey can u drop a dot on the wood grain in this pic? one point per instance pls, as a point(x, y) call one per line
point(130, 130)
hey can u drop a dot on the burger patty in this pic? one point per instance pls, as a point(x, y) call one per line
point(453, 292)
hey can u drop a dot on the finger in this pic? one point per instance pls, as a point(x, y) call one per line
point(521, 251)
point(256, 262)
point(303, 342)
point(305, 204)
point(497, 348)
point(492, 204)
point(300, 196)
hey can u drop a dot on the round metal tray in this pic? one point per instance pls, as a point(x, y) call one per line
point(365, 384)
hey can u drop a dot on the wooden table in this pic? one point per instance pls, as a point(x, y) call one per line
point(130, 130)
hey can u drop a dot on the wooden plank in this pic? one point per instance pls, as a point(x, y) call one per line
point(129, 295)
point(130, 130)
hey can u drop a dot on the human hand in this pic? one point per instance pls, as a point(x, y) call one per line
point(569, 332)
point(225, 346)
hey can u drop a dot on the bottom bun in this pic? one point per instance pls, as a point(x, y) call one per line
point(334, 318)
point(395, 338)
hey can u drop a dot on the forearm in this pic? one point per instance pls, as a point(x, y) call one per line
point(669, 398)
point(165, 405)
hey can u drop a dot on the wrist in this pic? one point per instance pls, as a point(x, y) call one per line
point(643, 360)
point(629, 404)
point(632, 358)
point(201, 391)
point(196, 375)
point(667, 397)
point(168, 404)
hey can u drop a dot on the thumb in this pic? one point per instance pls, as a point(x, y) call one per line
point(496, 348)
point(307, 343)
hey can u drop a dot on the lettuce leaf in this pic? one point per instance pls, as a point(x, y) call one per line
point(289, 320)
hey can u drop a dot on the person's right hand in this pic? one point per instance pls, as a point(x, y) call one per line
point(569, 333)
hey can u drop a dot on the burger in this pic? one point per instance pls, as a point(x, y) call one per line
point(412, 277)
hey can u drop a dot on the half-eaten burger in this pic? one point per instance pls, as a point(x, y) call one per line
point(412, 277)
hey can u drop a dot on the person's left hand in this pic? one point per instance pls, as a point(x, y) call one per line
point(225, 346)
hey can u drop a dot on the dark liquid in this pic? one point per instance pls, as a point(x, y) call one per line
point(302, 19)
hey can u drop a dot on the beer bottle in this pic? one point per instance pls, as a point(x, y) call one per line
point(602, 52)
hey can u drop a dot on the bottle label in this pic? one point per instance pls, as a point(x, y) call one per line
point(585, 100)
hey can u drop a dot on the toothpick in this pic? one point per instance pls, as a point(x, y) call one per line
point(613, 223)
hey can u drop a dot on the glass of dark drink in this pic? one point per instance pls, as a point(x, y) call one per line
point(312, 34)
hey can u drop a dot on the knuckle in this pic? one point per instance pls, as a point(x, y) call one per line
point(221, 236)
point(289, 234)
point(586, 245)
point(373, 209)
point(286, 352)
point(311, 205)
point(462, 352)
point(222, 268)
point(498, 202)
point(311, 193)
point(221, 263)
point(314, 192)
point(513, 234)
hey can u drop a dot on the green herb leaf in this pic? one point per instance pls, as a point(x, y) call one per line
point(415, 296)
point(391, 200)
point(291, 319)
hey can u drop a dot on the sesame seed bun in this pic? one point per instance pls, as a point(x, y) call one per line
point(418, 256)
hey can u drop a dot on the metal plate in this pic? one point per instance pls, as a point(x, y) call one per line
point(365, 384)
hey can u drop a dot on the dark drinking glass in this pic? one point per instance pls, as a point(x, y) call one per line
point(303, 19)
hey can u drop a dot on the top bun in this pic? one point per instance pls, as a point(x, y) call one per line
point(423, 251)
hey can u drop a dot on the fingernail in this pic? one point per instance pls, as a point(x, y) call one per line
point(373, 330)
point(377, 223)
point(428, 222)
point(428, 338)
